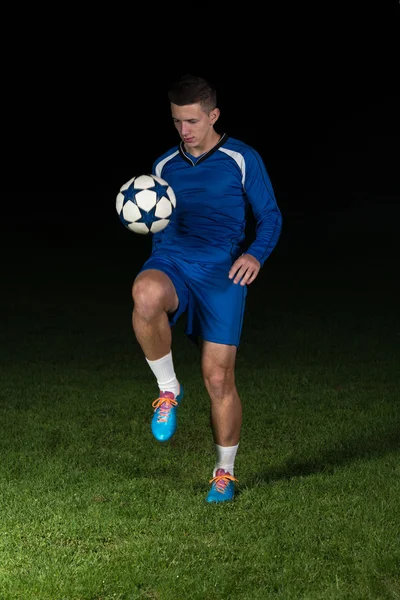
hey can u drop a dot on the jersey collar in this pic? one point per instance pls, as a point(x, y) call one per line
point(186, 158)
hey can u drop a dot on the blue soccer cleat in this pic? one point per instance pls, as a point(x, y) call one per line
point(223, 487)
point(163, 424)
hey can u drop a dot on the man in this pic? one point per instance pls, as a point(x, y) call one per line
point(198, 266)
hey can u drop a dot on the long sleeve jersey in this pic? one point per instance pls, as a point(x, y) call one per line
point(214, 194)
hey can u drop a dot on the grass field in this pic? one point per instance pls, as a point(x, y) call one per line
point(93, 508)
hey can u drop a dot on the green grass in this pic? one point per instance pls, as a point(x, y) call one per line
point(93, 508)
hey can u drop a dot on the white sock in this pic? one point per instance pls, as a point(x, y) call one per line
point(163, 369)
point(225, 458)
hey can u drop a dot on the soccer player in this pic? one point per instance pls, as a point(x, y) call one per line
point(198, 266)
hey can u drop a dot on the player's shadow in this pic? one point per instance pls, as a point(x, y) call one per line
point(344, 453)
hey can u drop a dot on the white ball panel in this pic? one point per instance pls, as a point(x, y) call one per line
point(119, 202)
point(159, 225)
point(139, 228)
point(126, 185)
point(146, 199)
point(131, 212)
point(171, 194)
point(159, 180)
point(143, 182)
point(163, 208)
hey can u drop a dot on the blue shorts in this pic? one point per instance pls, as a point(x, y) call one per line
point(213, 303)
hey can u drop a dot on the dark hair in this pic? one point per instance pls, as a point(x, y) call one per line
point(191, 89)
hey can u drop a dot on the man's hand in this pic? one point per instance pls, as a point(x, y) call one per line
point(245, 269)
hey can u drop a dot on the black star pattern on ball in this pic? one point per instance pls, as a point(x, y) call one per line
point(129, 193)
point(160, 189)
point(148, 218)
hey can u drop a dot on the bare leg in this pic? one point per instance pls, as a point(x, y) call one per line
point(154, 296)
point(218, 369)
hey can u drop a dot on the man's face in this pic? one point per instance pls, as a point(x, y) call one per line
point(192, 123)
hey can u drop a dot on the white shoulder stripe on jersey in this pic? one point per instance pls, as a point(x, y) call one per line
point(239, 160)
point(161, 164)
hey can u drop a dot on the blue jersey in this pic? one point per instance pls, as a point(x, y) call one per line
point(214, 193)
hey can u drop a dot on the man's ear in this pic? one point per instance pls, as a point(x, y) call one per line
point(214, 115)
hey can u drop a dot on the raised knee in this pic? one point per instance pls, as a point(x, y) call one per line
point(147, 295)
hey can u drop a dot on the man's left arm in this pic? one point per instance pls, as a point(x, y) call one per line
point(268, 218)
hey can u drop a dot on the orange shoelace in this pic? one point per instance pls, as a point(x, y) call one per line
point(165, 405)
point(221, 482)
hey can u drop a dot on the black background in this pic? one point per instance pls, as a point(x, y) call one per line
point(314, 90)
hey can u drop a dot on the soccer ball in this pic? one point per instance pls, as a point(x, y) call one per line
point(145, 204)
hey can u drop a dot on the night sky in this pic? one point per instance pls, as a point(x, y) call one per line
point(315, 94)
